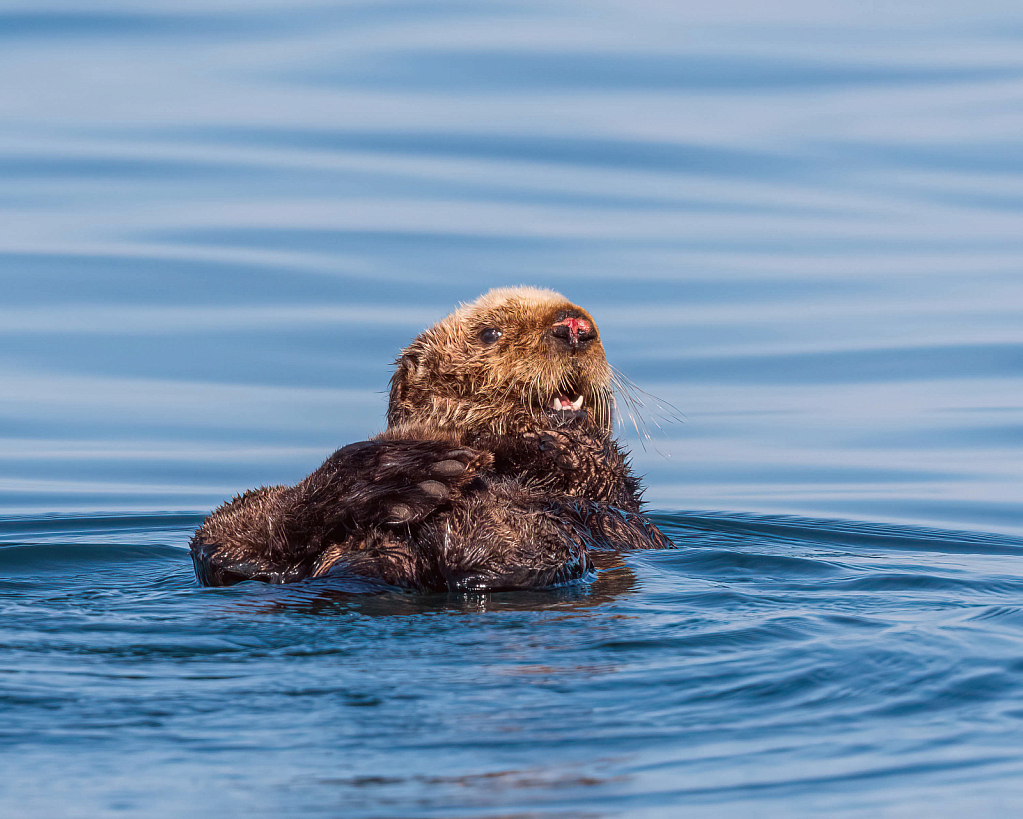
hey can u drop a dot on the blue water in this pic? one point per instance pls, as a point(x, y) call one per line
point(799, 223)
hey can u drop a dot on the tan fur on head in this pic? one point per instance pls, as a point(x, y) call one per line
point(449, 379)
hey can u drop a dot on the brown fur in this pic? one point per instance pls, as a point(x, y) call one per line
point(448, 381)
point(478, 483)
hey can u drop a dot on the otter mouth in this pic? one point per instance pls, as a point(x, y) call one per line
point(563, 402)
point(564, 410)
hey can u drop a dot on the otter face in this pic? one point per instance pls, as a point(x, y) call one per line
point(514, 360)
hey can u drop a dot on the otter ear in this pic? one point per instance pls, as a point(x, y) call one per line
point(404, 369)
point(409, 362)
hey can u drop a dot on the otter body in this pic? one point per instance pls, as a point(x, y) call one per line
point(497, 469)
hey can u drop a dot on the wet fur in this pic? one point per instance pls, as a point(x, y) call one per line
point(475, 485)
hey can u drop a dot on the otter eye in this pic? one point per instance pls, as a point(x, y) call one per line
point(490, 335)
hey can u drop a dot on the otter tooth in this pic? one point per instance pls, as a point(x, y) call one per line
point(560, 402)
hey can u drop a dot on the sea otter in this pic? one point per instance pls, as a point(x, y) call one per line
point(497, 470)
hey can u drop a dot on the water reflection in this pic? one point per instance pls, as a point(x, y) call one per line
point(336, 595)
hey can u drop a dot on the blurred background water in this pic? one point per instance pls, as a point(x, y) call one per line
point(800, 223)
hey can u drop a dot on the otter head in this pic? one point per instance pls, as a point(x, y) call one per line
point(514, 360)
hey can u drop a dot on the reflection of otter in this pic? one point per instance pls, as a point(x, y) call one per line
point(497, 469)
point(614, 579)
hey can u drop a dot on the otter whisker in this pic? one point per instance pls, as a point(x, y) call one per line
point(534, 398)
point(634, 412)
point(607, 405)
point(629, 402)
point(669, 410)
point(657, 408)
point(512, 383)
point(625, 392)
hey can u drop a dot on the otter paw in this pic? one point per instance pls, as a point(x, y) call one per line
point(556, 447)
point(391, 482)
point(424, 477)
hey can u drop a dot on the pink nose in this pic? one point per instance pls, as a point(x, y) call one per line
point(573, 331)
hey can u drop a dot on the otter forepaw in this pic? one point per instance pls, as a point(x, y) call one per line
point(557, 447)
point(426, 476)
point(396, 481)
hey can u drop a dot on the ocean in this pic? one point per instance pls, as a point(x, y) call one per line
point(799, 224)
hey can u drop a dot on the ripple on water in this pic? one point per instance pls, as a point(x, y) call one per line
point(756, 651)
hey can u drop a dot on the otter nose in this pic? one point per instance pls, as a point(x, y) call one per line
point(573, 332)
